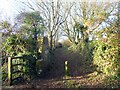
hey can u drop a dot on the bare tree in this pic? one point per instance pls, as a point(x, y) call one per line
point(55, 14)
point(92, 15)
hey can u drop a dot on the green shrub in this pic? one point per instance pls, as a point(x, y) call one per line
point(106, 57)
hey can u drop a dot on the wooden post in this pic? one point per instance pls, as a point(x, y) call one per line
point(66, 69)
point(10, 70)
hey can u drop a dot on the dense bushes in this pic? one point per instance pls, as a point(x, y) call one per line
point(106, 56)
point(103, 52)
point(17, 45)
point(85, 51)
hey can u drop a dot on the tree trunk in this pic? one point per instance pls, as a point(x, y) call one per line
point(51, 40)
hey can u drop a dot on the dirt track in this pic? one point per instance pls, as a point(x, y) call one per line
point(81, 76)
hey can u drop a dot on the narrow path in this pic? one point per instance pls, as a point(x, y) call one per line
point(80, 75)
point(42, 83)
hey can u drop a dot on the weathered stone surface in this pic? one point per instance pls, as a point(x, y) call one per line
point(45, 48)
point(39, 66)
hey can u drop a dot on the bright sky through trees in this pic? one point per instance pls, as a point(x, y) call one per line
point(9, 8)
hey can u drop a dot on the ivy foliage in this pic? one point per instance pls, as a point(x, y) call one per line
point(102, 51)
point(106, 52)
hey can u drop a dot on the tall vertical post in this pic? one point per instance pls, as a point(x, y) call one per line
point(45, 51)
point(10, 70)
point(66, 69)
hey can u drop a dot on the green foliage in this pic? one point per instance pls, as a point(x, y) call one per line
point(33, 27)
point(32, 23)
point(4, 73)
point(106, 57)
point(106, 52)
point(12, 46)
point(25, 43)
point(5, 24)
point(32, 18)
point(84, 49)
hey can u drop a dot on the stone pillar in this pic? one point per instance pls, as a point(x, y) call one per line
point(45, 51)
point(39, 66)
point(45, 48)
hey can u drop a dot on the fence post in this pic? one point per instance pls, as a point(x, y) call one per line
point(9, 70)
point(66, 69)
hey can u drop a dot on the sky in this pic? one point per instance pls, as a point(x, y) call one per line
point(10, 8)
point(7, 9)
